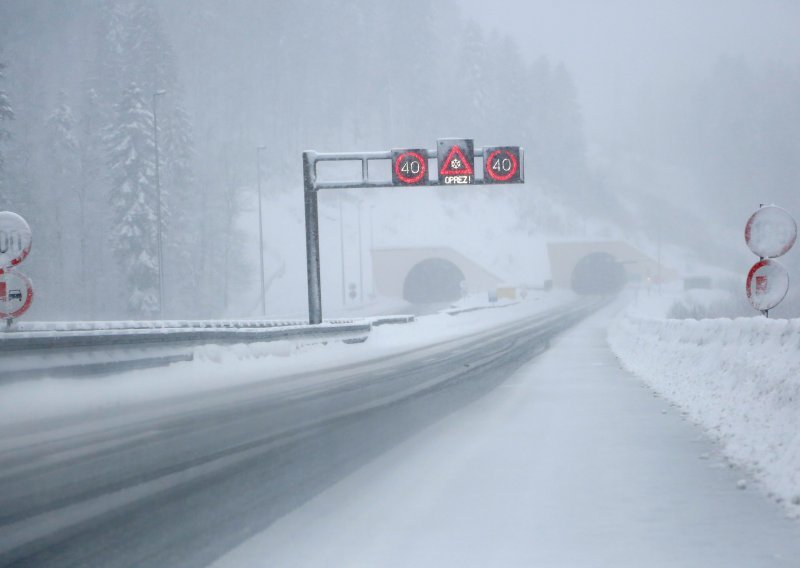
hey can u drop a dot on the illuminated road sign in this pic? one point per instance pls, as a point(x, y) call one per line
point(456, 161)
point(409, 167)
point(502, 165)
point(15, 239)
point(16, 294)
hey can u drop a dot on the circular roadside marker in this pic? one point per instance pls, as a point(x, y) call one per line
point(16, 294)
point(767, 284)
point(770, 232)
point(15, 240)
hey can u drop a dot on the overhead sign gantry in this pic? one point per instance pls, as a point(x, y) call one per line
point(410, 168)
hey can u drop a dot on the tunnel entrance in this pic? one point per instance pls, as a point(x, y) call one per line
point(598, 273)
point(433, 280)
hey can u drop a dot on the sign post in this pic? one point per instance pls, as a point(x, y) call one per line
point(770, 232)
point(456, 166)
point(16, 290)
point(312, 238)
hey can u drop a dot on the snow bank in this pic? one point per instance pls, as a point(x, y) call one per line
point(738, 378)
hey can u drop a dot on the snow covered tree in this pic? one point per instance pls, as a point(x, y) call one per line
point(473, 111)
point(134, 201)
point(93, 206)
point(6, 113)
point(133, 48)
point(182, 250)
point(63, 143)
point(63, 161)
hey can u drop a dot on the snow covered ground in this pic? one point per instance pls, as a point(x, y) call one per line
point(571, 462)
point(738, 378)
point(220, 367)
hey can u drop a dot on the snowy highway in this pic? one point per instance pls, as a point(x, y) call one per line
point(517, 445)
point(572, 462)
point(399, 284)
point(179, 483)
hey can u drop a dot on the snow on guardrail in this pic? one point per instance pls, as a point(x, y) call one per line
point(102, 326)
point(35, 350)
point(738, 378)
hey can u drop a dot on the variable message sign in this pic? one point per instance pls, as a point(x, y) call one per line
point(409, 167)
point(456, 161)
point(502, 165)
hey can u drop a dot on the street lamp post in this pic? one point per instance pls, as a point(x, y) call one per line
point(360, 257)
point(261, 234)
point(158, 208)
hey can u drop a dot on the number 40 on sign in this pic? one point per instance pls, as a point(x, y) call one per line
point(502, 165)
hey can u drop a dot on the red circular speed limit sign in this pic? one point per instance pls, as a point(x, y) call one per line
point(15, 240)
point(501, 165)
point(767, 284)
point(409, 167)
point(16, 294)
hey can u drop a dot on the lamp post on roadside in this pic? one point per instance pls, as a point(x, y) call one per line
point(360, 257)
point(157, 94)
point(341, 249)
point(261, 234)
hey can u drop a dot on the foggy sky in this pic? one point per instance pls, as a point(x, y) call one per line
point(616, 47)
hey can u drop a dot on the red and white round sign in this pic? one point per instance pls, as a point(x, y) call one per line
point(16, 294)
point(770, 232)
point(15, 240)
point(767, 284)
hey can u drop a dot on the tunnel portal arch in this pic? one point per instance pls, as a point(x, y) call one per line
point(433, 280)
point(598, 273)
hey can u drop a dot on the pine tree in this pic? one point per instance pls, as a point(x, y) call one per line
point(182, 252)
point(6, 113)
point(134, 201)
point(63, 159)
point(133, 48)
point(93, 206)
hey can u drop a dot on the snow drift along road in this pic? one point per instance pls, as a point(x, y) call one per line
point(739, 378)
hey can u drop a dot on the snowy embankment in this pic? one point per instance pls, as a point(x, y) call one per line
point(738, 378)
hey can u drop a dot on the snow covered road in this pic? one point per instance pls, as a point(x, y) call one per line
point(181, 482)
point(572, 462)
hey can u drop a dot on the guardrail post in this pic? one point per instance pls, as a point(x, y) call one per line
point(312, 239)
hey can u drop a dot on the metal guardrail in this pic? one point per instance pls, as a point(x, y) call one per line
point(158, 324)
point(24, 341)
point(69, 349)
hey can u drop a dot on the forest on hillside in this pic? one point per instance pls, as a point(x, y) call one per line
point(82, 83)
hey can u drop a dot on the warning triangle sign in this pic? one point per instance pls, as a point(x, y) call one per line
point(456, 164)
